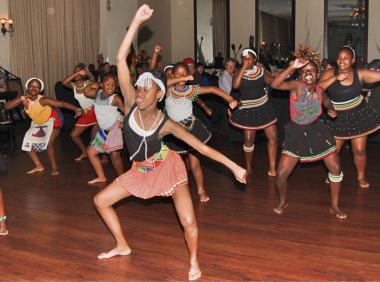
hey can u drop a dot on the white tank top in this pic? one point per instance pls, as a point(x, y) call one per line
point(84, 102)
point(106, 114)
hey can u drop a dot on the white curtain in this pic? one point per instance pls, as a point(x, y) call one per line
point(51, 37)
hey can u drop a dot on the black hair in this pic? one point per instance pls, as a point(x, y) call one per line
point(80, 65)
point(106, 75)
point(199, 64)
point(348, 49)
point(178, 65)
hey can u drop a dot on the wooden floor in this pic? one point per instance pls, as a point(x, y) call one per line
point(56, 234)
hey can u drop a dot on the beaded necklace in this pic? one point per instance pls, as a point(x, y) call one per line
point(185, 93)
point(254, 73)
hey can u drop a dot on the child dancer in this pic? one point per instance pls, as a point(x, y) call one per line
point(109, 138)
point(179, 107)
point(156, 170)
point(46, 123)
point(256, 111)
point(355, 119)
point(307, 139)
point(78, 82)
point(3, 217)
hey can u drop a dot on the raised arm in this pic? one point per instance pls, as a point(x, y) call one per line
point(279, 81)
point(369, 76)
point(60, 104)
point(90, 90)
point(123, 73)
point(239, 75)
point(117, 102)
point(328, 78)
point(14, 103)
point(175, 80)
point(219, 92)
point(154, 60)
point(67, 81)
point(171, 127)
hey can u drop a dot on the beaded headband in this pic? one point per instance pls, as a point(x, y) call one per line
point(352, 49)
point(34, 78)
point(145, 80)
point(168, 67)
point(307, 53)
point(246, 51)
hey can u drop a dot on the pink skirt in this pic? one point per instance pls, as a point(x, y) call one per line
point(162, 180)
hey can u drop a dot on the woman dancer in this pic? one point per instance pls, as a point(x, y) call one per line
point(256, 111)
point(3, 217)
point(156, 170)
point(46, 123)
point(355, 119)
point(109, 138)
point(78, 82)
point(179, 107)
point(307, 139)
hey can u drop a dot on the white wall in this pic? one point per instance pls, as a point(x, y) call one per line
point(182, 29)
point(5, 55)
point(310, 24)
point(373, 30)
point(242, 22)
point(159, 29)
point(113, 25)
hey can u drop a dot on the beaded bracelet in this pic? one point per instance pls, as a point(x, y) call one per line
point(3, 218)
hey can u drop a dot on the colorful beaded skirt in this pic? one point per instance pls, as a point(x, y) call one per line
point(354, 120)
point(195, 127)
point(309, 143)
point(253, 114)
point(160, 175)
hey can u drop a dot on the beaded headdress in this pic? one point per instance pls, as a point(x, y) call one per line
point(307, 53)
point(145, 80)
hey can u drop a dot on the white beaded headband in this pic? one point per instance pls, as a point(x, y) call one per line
point(145, 80)
point(34, 78)
point(168, 67)
point(247, 51)
point(352, 49)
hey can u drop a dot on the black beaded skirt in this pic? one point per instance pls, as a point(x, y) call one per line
point(309, 143)
point(254, 118)
point(194, 126)
point(356, 122)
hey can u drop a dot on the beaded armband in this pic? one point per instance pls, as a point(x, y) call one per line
point(3, 218)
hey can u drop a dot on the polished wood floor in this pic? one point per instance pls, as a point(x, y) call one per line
point(56, 234)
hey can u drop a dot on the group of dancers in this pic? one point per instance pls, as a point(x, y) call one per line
point(156, 139)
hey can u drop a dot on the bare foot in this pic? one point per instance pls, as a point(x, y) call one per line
point(97, 180)
point(363, 183)
point(338, 213)
point(118, 251)
point(55, 172)
point(194, 272)
point(203, 197)
point(81, 157)
point(3, 229)
point(36, 169)
point(281, 207)
point(272, 173)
